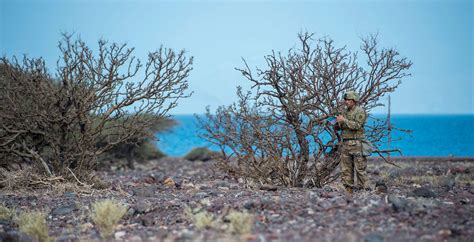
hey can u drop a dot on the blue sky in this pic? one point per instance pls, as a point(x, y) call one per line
point(436, 35)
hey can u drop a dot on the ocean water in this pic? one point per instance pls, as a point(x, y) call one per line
point(431, 135)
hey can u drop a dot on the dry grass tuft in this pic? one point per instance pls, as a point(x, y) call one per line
point(16, 180)
point(425, 180)
point(29, 179)
point(465, 180)
point(34, 224)
point(202, 219)
point(106, 214)
point(240, 222)
point(6, 213)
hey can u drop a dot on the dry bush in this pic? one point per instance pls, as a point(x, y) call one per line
point(201, 218)
point(94, 102)
point(29, 179)
point(34, 224)
point(240, 222)
point(277, 131)
point(106, 214)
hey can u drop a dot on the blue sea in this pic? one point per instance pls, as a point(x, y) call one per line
point(431, 135)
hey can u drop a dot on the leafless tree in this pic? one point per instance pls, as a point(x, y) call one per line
point(93, 102)
point(277, 131)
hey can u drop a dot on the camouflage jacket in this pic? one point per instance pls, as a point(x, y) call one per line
point(353, 126)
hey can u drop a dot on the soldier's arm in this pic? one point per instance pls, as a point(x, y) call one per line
point(356, 123)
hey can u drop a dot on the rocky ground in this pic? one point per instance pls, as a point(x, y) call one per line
point(424, 200)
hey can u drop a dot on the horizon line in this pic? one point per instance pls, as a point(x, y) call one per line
point(174, 114)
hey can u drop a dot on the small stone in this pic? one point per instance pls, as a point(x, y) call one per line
point(169, 182)
point(204, 187)
point(118, 235)
point(223, 184)
point(328, 194)
point(70, 195)
point(149, 179)
point(147, 221)
point(205, 202)
point(465, 200)
point(131, 212)
point(328, 189)
point(423, 192)
point(324, 205)
point(63, 210)
point(188, 186)
point(374, 238)
point(234, 187)
point(399, 204)
point(137, 238)
point(201, 195)
point(144, 191)
point(270, 188)
point(445, 233)
point(381, 187)
point(143, 206)
point(15, 236)
point(249, 204)
point(86, 227)
point(185, 235)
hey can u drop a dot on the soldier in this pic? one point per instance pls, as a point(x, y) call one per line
point(351, 123)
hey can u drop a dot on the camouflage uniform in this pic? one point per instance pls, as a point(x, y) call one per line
point(353, 163)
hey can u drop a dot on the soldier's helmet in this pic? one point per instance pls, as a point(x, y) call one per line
point(351, 95)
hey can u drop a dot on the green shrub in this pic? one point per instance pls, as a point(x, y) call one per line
point(106, 214)
point(148, 151)
point(141, 148)
point(34, 224)
point(201, 153)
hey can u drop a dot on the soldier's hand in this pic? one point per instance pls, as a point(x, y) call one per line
point(340, 118)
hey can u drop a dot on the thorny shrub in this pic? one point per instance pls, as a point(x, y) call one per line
point(277, 132)
point(93, 102)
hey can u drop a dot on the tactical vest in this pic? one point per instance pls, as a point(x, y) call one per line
point(349, 131)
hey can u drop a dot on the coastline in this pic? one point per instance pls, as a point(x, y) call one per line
point(426, 158)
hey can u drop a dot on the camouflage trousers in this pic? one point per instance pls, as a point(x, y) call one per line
point(353, 165)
